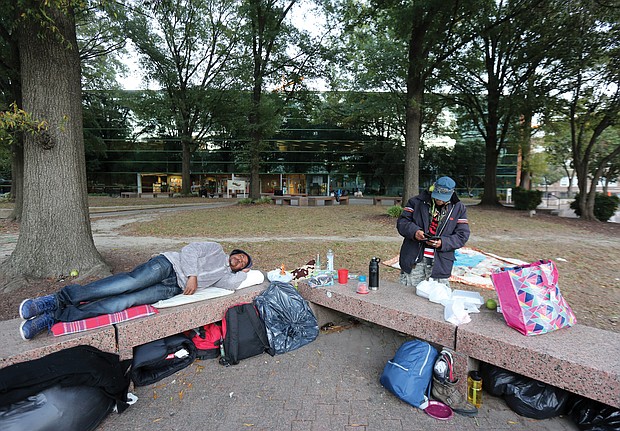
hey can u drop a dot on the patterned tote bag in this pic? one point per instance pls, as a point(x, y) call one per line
point(530, 298)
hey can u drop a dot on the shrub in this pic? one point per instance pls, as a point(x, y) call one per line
point(249, 201)
point(264, 200)
point(394, 211)
point(604, 206)
point(526, 199)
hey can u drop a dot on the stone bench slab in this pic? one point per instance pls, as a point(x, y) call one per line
point(15, 350)
point(392, 306)
point(580, 359)
point(327, 200)
point(175, 320)
point(122, 337)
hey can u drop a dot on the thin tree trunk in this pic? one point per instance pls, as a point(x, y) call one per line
point(412, 146)
point(17, 179)
point(489, 197)
point(186, 181)
point(55, 234)
point(526, 146)
point(413, 109)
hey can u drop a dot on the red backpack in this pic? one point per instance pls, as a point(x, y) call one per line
point(208, 339)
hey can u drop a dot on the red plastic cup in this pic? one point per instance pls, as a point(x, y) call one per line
point(343, 276)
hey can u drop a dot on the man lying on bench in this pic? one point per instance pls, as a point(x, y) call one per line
point(199, 264)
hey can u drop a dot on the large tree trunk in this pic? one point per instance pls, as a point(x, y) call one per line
point(55, 235)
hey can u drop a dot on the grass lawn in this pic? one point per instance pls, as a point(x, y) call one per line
point(587, 253)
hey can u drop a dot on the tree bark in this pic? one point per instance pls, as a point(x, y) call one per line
point(526, 151)
point(489, 197)
point(413, 109)
point(186, 177)
point(17, 179)
point(413, 129)
point(55, 234)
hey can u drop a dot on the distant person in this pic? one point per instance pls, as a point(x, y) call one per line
point(197, 265)
point(434, 224)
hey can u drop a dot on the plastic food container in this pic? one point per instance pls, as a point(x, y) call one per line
point(468, 297)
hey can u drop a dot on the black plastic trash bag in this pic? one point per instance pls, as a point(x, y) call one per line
point(495, 379)
point(590, 415)
point(71, 408)
point(527, 397)
point(536, 400)
point(290, 322)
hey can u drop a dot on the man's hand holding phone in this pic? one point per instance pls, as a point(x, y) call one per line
point(432, 240)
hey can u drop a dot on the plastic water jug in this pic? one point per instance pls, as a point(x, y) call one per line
point(330, 260)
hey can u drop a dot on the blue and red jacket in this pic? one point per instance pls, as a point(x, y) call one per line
point(453, 230)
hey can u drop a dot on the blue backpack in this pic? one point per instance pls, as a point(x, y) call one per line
point(408, 375)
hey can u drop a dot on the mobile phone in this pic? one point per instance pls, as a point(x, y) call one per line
point(429, 237)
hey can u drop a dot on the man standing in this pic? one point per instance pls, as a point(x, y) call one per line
point(197, 265)
point(433, 225)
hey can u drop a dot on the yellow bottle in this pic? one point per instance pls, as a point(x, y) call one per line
point(474, 389)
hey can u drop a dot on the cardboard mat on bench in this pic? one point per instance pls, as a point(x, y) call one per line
point(472, 267)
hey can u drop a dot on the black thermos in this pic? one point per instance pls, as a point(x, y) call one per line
point(373, 273)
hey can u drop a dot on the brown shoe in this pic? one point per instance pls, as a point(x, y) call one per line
point(450, 396)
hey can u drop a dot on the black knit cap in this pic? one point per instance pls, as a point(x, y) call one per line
point(237, 251)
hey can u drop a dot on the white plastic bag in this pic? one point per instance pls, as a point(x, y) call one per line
point(439, 292)
point(455, 312)
point(423, 289)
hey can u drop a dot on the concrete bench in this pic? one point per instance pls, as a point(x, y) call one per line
point(386, 307)
point(146, 195)
point(121, 338)
point(288, 200)
point(376, 200)
point(343, 200)
point(327, 200)
point(175, 320)
point(581, 359)
point(15, 350)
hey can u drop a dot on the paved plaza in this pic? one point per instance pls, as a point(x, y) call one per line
point(331, 384)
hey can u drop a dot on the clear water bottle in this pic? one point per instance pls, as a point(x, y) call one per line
point(330, 260)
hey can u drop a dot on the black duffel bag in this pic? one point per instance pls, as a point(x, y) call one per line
point(160, 358)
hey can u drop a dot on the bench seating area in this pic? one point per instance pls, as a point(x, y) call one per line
point(315, 200)
point(581, 359)
point(303, 200)
point(146, 195)
point(121, 338)
point(376, 200)
point(290, 200)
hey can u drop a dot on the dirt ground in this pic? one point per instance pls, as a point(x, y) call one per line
point(594, 295)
